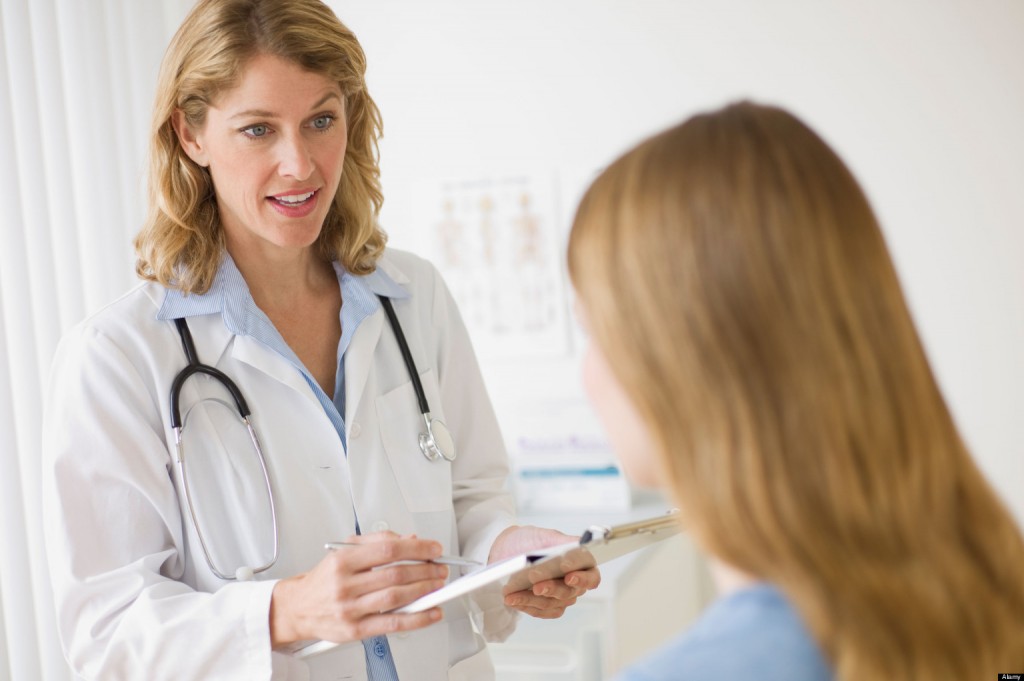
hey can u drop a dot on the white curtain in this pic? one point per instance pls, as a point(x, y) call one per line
point(76, 85)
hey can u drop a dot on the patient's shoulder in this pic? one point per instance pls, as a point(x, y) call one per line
point(751, 633)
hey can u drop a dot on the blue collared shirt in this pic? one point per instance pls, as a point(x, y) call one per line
point(229, 296)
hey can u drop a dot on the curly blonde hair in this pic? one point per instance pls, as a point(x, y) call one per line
point(181, 242)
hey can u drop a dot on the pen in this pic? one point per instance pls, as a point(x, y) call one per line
point(441, 560)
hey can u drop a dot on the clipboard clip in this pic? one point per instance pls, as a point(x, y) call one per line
point(595, 533)
point(600, 533)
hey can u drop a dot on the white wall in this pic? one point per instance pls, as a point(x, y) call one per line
point(923, 99)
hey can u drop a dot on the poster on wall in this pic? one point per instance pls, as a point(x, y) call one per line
point(498, 242)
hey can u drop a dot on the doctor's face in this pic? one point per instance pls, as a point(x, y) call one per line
point(626, 431)
point(275, 148)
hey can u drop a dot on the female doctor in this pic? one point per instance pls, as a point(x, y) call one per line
point(279, 382)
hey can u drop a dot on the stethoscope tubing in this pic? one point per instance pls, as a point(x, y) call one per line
point(193, 367)
point(403, 346)
point(196, 367)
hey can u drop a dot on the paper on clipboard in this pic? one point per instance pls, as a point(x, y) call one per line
point(596, 546)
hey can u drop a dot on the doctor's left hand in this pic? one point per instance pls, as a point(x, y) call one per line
point(548, 598)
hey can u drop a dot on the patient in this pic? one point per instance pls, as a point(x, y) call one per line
point(752, 355)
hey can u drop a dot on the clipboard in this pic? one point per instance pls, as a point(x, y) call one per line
point(597, 545)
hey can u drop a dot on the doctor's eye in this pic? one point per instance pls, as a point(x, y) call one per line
point(323, 122)
point(256, 131)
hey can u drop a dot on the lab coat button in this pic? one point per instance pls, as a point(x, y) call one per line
point(355, 430)
point(380, 526)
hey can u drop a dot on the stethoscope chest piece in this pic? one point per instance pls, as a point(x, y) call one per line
point(437, 442)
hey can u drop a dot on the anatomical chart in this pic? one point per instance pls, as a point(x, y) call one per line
point(501, 250)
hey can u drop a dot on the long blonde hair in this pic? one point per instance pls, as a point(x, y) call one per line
point(181, 242)
point(734, 274)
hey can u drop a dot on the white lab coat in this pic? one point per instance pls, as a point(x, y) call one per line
point(135, 597)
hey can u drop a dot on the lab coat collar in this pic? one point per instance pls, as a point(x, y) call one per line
point(211, 334)
point(386, 280)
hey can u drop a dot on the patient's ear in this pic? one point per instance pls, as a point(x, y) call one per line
point(190, 142)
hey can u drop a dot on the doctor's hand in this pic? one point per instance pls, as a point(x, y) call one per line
point(548, 598)
point(347, 595)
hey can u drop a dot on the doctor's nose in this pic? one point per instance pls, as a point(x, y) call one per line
point(294, 158)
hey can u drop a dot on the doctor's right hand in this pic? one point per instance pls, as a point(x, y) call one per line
point(347, 595)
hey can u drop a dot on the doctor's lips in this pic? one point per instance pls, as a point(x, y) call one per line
point(295, 203)
point(293, 198)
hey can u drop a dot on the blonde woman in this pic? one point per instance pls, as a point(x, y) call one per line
point(753, 355)
point(183, 545)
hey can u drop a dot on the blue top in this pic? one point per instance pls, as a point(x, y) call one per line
point(230, 297)
point(752, 633)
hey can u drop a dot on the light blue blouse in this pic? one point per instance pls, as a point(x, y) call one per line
point(752, 633)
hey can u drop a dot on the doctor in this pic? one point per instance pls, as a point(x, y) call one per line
point(188, 542)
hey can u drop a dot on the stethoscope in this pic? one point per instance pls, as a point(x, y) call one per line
point(435, 444)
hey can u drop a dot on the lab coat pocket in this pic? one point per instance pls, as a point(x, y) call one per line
point(426, 485)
